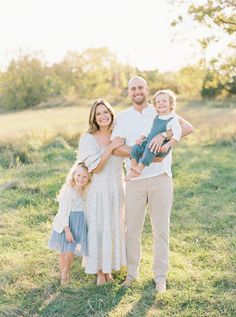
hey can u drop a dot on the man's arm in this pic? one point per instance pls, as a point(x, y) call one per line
point(186, 127)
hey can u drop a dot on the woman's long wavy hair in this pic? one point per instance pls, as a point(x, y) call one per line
point(93, 126)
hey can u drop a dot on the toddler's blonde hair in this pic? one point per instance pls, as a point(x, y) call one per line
point(170, 94)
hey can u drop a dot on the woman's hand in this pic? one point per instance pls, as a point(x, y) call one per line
point(69, 235)
point(155, 144)
point(117, 142)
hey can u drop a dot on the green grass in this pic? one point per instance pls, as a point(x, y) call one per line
point(201, 281)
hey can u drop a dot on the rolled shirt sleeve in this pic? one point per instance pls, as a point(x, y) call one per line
point(174, 125)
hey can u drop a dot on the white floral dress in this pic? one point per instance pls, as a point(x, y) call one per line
point(104, 209)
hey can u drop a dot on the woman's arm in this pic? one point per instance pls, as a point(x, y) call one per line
point(116, 142)
point(123, 151)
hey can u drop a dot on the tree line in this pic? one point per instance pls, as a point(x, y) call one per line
point(96, 72)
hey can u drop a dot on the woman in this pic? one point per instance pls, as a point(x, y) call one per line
point(105, 197)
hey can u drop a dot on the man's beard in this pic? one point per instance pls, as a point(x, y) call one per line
point(140, 101)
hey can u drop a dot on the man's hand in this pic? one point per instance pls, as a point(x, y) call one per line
point(155, 144)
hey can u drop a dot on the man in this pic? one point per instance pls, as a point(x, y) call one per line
point(152, 187)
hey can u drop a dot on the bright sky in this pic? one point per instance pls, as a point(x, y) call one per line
point(138, 31)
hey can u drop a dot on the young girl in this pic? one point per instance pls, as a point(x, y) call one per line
point(164, 102)
point(69, 234)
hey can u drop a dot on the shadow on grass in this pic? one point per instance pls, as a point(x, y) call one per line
point(90, 300)
point(86, 301)
point(147, 300)
point(81, 297)
point(74, 300)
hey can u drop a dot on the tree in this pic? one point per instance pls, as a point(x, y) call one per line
point(217, 13)
point(220, 17)
point(213, 14)
point(190, 80)
point(96, 73)
point(24, 83)
point(220, 79)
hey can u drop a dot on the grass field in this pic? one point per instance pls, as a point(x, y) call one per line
point(36, 150)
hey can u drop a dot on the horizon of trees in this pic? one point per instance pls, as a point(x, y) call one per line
point(96, 72)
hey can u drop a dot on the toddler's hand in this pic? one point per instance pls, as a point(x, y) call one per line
point(140, 140)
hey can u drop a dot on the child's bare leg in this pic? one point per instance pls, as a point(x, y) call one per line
point(61, 261)
point(68, 260)
point(138, 169)
point(69, 256)
point(131, 174)
point(133, 162)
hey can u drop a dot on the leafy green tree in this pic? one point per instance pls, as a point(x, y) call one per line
point(217, 13)
point(190, 80)
point(96, 73)
point(220, 79)
point(24, 83)
point(157, 81)
point(220, 17)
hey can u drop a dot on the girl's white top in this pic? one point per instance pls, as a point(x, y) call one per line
point(69, 201)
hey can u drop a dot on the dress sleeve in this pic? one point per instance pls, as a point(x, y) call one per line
point(89, 152)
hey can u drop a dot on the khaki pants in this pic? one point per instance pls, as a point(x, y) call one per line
point(157, 192)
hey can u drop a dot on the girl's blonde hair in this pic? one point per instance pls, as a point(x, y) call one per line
point(170, 94)
point(93, 126)
point(70, 178)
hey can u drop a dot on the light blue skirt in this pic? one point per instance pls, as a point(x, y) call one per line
point(78, 228)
